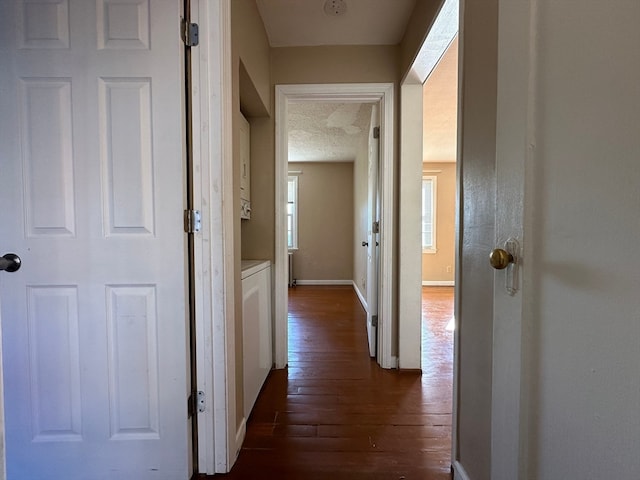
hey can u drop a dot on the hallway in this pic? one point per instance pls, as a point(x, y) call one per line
point(334, 414)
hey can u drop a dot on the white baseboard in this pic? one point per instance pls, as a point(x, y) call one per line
point(361, 297)
point(459, 472)
point(393, 362)
point(240, 434)
point(324, 282)
point(438, 283)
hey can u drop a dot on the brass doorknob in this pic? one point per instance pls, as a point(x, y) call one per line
point(500, 258)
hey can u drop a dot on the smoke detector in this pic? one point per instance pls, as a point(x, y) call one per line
point(335, 8)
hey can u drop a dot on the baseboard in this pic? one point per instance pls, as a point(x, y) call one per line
point(360, 297)
point(459, 472)
point(324, 282)
point(393, 362)
point(240, 434)
point(438, 283)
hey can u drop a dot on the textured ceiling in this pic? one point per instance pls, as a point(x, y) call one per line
point(365, 22)
point(326, 132)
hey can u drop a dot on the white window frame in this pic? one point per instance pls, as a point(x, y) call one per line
point(293, 215)
point(434, 196)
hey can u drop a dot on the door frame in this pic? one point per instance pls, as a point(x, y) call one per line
point(360, 93)
point(214, 259)
point(446, 26)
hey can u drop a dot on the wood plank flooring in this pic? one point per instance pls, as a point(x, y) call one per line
point(335, 414)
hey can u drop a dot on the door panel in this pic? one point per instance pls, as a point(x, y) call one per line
point(94, 345)
point(373, 249)
point(580, 320)
point(564, 382)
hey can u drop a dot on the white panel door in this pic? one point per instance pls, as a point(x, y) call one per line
point(91, 149)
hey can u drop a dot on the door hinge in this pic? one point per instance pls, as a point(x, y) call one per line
point(374, 320)
point(375, 227)
point(192, 221)
point(196, 403)
point(376, 132)
point(190, 34)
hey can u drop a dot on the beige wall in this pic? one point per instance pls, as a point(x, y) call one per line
point(250, 48)
point(330, 64)
point(439, 266)
point(325, 221)
point(251, 44)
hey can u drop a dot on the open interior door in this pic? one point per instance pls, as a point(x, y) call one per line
point(94, 322)
point(373, 231)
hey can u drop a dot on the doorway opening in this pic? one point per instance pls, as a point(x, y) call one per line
point(440, 104)
point(343, 97)
point(429, 98)
point(332, 200)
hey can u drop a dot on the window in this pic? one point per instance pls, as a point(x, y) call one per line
point(292, 213)
point(429, 214)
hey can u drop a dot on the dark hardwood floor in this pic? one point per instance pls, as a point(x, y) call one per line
point(335, 414)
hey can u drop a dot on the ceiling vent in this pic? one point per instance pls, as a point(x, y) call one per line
point(334, 8)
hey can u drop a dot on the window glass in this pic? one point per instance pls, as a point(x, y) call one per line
point(428, 213)
point(292, 212)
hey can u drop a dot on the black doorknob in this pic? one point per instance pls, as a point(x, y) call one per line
point(10, 262)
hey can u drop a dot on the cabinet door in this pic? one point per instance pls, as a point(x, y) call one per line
point(256, 337)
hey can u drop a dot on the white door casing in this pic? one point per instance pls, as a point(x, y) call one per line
point(94, 323)
point(214, 262)
point(373, 237)
point(360, 93)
